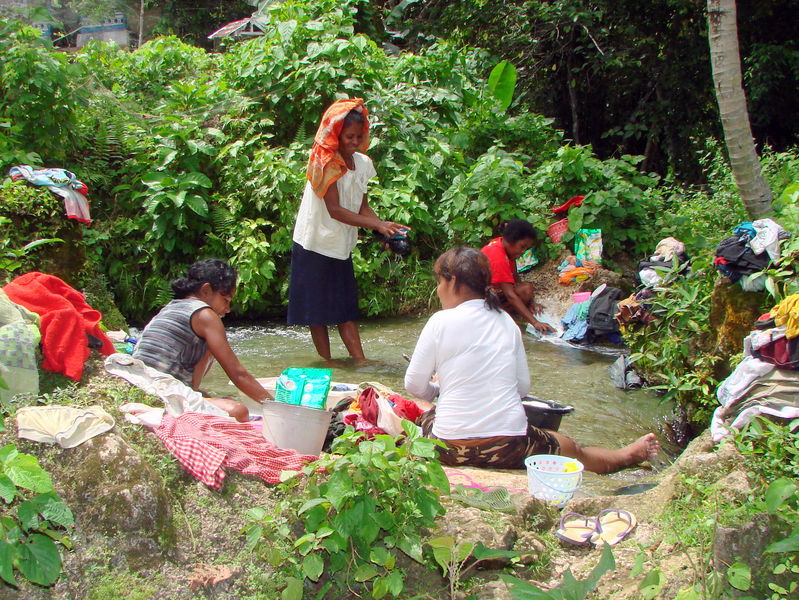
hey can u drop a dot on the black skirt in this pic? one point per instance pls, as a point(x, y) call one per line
point(322, 290)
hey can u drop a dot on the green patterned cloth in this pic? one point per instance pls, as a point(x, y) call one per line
point(19, 341)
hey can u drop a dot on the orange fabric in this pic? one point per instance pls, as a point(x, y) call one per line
point(325, 164)
point(571, 275)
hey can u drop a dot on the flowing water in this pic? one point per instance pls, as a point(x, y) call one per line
point(603, 415)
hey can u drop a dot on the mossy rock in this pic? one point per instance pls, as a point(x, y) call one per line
point(116, 494)
point(732, 315)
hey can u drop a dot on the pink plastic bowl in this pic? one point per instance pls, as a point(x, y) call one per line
point(580, 297)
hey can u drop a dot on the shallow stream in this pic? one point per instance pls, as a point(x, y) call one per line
point(603, 416)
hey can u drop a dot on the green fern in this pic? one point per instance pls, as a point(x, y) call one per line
point(222, 220)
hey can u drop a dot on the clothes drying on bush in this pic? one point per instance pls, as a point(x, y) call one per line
point(62, 183)
point(669, 253)
point(749, 250)
point(786, 314)
point(66, 321)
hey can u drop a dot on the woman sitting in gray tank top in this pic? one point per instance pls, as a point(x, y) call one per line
point(183, 338)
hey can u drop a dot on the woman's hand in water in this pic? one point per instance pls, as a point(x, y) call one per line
point(542, 327)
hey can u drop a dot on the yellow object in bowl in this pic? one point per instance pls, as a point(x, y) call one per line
point(570, 467)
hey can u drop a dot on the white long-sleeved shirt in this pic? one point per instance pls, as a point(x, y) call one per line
point(479, 358)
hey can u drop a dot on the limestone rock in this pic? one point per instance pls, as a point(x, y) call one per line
point(119, 496)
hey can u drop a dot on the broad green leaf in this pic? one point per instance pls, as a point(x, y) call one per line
point(256, 513)
point(8, 490)
point(651, 585)
point(502, 83)
point(24, 470)
point(396, 583)
point(437, 477)
point(365, 572)
point(778, 492)
point(482, 552)
point(293, 590)
point(7, 453)
point(312, 566)
point(380, 588)
point(443, 557)
point(253, 536)
point(196, 178)
point(788, 544)
point(739, 576)
point(7, 554)
point(37, 243)
point(310, 504)
point(38, 560)
point(197, 204)
point(28, 515)
point(339, 488)
point(463, 551)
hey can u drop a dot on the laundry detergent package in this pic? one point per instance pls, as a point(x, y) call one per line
point(303, 387)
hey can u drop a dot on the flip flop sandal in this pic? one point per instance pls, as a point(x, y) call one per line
point(614, 525)
point(577, 529)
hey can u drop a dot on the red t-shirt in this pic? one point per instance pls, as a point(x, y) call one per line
point(503, 267)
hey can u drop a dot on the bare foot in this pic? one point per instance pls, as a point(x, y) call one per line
point(644, 448)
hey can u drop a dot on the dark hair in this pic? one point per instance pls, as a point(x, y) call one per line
point(354, 117)
point(518, 229)
point(470, 268)
point(218, 273)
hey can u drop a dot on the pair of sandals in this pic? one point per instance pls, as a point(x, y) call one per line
point(609, 527)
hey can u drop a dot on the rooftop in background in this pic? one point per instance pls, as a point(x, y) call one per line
point(252, 26)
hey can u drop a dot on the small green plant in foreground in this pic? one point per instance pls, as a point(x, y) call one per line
point(27, 534)
point(343, 523)
point(452, 557)
point(570, 588)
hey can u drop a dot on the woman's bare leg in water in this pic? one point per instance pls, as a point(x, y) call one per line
point(321, 340)
point(352, 339)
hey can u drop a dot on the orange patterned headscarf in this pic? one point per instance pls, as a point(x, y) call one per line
point(325, 164)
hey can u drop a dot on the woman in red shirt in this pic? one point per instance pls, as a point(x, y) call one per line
point(517, 237)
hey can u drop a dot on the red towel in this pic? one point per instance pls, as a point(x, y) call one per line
point(205, 445)
point(573, 201)
point(65, 319)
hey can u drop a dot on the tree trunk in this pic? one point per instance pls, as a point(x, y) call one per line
point(726, 65)
point(141, 23)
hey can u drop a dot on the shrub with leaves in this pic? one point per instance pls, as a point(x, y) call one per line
point(32, 520)
point(671, 350)
point(343, 523)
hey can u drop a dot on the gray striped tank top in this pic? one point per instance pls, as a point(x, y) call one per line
point(169, 344)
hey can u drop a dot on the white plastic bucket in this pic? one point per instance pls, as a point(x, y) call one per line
point(548, 478)
point(297, 427)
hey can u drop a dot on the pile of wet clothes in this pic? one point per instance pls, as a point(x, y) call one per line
point(752, 247)
point(766, 382)
point(594, 319)
point(669, 260)
point(374, 409)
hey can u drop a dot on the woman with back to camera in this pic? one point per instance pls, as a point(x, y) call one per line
point(322, 289)
point(475, 349)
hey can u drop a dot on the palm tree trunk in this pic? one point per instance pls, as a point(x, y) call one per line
point(725, 61)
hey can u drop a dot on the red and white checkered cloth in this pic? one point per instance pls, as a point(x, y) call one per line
point(205, 445)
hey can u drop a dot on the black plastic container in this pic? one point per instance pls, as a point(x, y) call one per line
point(545, 414)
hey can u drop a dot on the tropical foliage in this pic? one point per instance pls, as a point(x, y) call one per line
point(192, 154)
